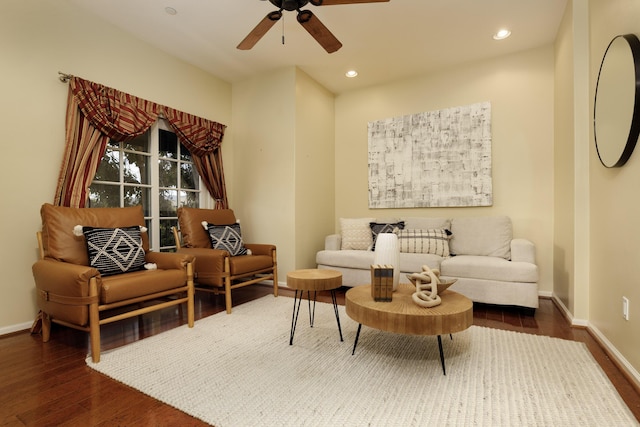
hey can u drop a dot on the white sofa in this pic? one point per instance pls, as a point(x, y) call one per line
point(491, 266)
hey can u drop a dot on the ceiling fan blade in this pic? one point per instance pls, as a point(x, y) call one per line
point(260, 30)
point(318, 31)
point(334, 2)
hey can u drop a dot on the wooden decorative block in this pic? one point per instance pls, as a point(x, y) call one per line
point(382, 282)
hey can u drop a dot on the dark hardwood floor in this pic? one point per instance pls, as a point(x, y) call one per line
point(50, 384)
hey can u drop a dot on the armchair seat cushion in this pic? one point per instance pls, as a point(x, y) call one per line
point(122, 287)
point(248, 263)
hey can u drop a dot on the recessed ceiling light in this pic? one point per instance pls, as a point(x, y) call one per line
point(502, 34)
point(351, 73)
point(170, 10)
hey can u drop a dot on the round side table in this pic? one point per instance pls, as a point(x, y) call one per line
point(313, 280)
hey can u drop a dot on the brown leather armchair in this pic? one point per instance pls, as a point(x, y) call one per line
point(72, 293)
point(216, 270)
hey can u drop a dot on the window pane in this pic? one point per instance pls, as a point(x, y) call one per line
point(185, 155)
point(139, 143)
point(109, 168)
point(168, 203)
point(136, 168)
point(188, 176)
point(166, 235)
point(168, 144)
point(189, 199)
point(104, 196)
point(134, 196)
point(168, 171)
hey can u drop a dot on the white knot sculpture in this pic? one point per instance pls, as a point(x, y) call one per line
point(426, 294)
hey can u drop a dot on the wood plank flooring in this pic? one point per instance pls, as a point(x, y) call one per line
point(50, 384)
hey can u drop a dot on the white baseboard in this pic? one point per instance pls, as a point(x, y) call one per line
point(618, 359)
point(630, 372)
point(545, 294)
point(568, 315)
point(6, 330)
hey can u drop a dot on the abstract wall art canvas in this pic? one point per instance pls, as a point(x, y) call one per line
point(434, 159)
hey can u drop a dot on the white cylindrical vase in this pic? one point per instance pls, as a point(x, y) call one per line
point(388, 252)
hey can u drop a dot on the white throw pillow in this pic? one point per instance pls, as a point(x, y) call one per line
point(433, 241)
point(482, 235)
point(356, 233)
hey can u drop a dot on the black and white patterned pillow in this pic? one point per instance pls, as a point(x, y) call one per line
point(228, 238)
point(114, 250)
point(377, 228)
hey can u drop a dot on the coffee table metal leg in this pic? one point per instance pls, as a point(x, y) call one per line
point(355, 343)
point(294, 315)
point(335, 309)
point(312, 314)
point(442, 354)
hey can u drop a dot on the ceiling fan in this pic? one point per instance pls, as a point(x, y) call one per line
point(306, 18)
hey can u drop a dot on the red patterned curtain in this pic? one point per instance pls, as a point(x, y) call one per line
point(96, 113)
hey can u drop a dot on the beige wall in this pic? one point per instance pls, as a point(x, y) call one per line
point(520, 89)
point(38, 39)
point(564, 169)
point(615, 206)
point(315, 169)
point(284, 175)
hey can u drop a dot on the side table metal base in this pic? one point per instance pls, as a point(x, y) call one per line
point(312, 312)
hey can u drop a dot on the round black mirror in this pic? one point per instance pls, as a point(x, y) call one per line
point(616, 109)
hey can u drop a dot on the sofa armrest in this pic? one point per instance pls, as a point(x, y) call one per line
point(169, 260)
point(260, 248)
point(333, 242)
point(523, 250)
point(63, 278)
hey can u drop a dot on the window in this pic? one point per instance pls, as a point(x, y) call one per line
point(154, 170)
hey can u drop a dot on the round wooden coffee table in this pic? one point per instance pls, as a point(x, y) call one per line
point(313, 280)
point(403, 316)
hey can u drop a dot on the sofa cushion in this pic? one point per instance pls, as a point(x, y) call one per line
point(431, 241)
point(489, 268)
point(356, 233)
point(190, 220)
point(58, 222)
point(227, 238)
point(425, 223)
point(384, 227)
point(488, 236)
point(362, 260)
point(114, 250)
point(144, 282)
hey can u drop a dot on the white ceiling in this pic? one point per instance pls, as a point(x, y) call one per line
point(383, 41)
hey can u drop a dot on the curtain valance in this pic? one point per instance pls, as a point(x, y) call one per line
point(96, 113)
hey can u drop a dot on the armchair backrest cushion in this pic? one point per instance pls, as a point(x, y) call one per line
point(61, 244)
point(190, 221)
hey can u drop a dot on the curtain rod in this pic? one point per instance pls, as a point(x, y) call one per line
point(64, 77)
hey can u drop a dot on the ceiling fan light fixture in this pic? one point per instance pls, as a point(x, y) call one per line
point(502, 34)
point(351, 73)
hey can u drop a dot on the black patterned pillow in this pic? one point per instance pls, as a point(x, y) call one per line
point(227, 237)
point(114, 250)
point(377, 228)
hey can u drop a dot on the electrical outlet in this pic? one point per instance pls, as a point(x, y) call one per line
point(625, 308)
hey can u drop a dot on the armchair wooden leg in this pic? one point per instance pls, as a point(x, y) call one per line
point(94, 322)
point(227, 294)
point(190, 296)
point(46, 327)
point(275, 281)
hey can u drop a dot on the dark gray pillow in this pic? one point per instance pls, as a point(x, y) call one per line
point(114, 250)
point(387, 227)
point(228, 238)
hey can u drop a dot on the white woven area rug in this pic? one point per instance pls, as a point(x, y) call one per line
point(239, 370)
